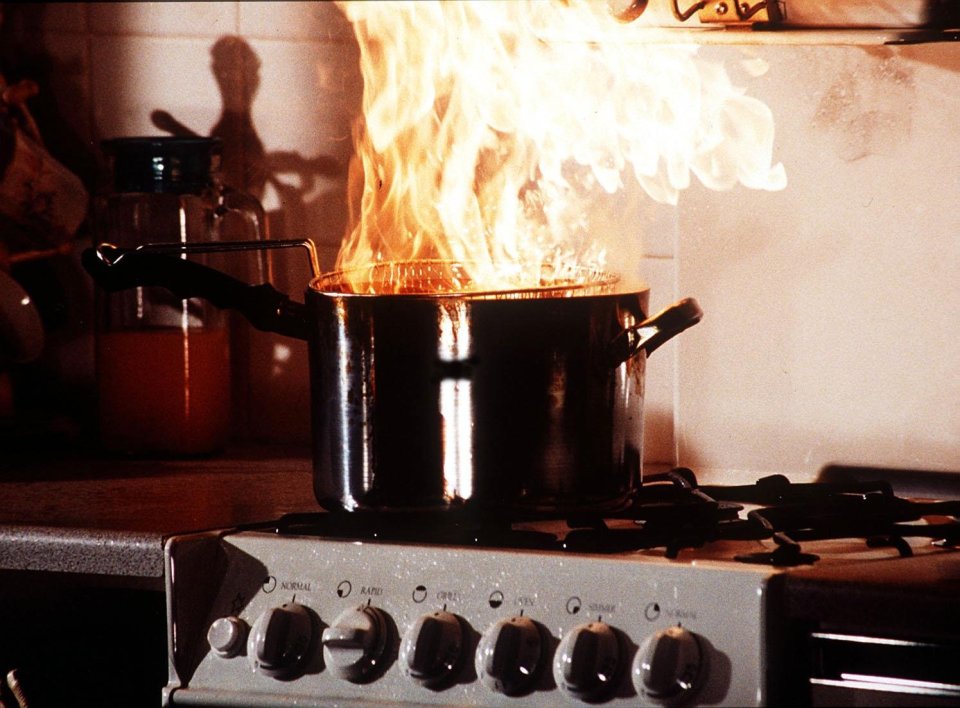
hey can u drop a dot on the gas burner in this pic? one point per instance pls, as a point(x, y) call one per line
point(787, 554)
point(426, 528)
point(673, 512)
point(777, 489)
point(790, 513)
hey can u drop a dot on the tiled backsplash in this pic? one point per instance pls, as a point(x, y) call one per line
point(830, 306)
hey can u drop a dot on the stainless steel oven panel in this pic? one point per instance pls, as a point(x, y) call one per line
point(246, 575)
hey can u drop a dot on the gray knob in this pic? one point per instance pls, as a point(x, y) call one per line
point(589, 661)
point(509, 656)
point(280, 640)
point(670, 666)
point(227, 635)
point(431, 649)
point(356, 645)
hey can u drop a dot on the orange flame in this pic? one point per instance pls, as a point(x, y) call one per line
point(488, 126)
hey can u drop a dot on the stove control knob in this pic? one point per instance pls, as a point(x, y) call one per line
point(432, 649)
point(281, 639)
point(226, 636)
point(356, 645)
point(670, 666)
point(589, 661)
point(510, 655)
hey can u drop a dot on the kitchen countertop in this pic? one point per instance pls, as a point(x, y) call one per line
point(110, 517)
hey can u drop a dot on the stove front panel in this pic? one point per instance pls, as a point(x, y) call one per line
point(307, 621)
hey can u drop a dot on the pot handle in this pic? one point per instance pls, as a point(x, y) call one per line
point(264, 306)
point(654, 331)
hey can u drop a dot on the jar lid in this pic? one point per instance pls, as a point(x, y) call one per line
point(163, 164)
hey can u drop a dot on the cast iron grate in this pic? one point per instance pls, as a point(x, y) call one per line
point(673, 512)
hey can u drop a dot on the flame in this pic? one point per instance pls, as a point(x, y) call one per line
point(488, 127)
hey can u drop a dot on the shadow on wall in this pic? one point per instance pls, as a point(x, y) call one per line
point(246, 163)
point(270, 372)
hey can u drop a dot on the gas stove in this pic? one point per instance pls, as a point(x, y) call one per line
point(691, 594)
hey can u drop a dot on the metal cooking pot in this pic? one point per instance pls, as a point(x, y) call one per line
point(524, 403)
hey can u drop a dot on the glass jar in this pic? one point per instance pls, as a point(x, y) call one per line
point(163, 363)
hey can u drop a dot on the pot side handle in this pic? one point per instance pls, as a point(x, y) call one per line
point(266, 308)
point(654, 331)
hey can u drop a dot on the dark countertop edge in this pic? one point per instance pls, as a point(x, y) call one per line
point(81, 551)
point(103, 520)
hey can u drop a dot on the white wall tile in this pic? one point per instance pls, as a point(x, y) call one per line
point(294, 20)
point(68, 79)
point(632, 226)
point(25, 21)
point(309, 94)
point(308, 98)
point(170, 19)
point(659, 443)
point(134, 76)
point(64, 17)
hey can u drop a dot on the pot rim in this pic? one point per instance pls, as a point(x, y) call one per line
point(444, 276)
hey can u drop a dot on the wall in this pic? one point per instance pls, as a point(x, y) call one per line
point(832, 302)
point(829, 305)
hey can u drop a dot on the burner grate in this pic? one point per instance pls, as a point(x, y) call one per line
point(673, 512)
point(412, 527)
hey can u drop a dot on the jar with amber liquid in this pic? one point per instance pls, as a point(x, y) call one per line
point(163, 363)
